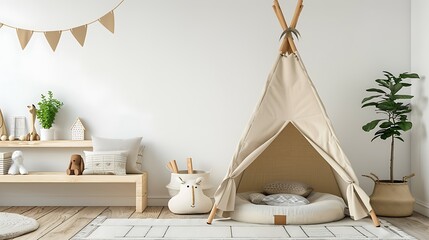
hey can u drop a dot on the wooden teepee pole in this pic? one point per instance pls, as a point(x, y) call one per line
point(288, 44)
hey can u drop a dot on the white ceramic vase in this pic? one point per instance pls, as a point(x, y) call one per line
point(47, 134)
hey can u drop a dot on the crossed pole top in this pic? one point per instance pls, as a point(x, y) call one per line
point(288, 45)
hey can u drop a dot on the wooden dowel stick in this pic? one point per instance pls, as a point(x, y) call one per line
point(294, 22)
point(170, 167)
point(190, 168)
point(174, 166)
point(279, 14)
point(212, 215)
point(374, 218)
point(298, 10)
point(288, 44)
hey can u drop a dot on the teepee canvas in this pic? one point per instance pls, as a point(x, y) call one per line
point(290, 137)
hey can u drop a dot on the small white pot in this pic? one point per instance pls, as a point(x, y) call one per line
point(47, 134)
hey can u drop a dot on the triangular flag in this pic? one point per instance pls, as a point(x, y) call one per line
point(53, 38)
point(108, 21)
point(24, 36)
point(80, 34)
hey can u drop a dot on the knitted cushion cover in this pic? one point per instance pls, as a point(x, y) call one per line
point(297, 188)
point(284, 199)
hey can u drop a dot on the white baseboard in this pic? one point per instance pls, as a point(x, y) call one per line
point(422, 207)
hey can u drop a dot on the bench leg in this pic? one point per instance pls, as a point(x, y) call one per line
point(141, 193)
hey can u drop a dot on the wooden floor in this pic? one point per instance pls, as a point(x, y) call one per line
point(65, 222)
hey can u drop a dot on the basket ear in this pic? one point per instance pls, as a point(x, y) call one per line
point(199, 180)
point(180, 180)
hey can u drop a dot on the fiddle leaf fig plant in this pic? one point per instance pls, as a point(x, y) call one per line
point(48, 109)
point(392, 107)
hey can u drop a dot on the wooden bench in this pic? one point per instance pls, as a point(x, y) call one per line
point(140, 180)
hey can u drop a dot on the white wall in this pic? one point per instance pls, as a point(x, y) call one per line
point(186, 76)
point(419, 136)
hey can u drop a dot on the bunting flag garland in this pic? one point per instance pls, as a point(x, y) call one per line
point(79, 33)
point(24, 36)
point(108, 21)
point(53, 37)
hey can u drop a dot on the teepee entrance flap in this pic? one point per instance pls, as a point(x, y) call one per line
point(289, 157)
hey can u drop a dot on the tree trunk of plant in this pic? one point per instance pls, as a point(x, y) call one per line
point(392, 148)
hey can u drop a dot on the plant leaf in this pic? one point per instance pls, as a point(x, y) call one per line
point(403, 117)
point(403, 97)
point(371, 125)
point(405, 126)
point(377, 136)
point(386, 135)
point(386, 124)
point(409, 75)
point(369, 98)
point(388, 74)
point(395, 88)
point(369, 104)
point(383, 82)
point(400, 138)
point(375, 90)
point(386, 106)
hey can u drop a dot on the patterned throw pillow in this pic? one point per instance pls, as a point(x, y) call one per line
point(109, 162)
point(256, 198)
point(131, 145)
point(285, 200)
point(297, 188)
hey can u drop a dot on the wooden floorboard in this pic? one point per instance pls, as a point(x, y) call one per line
point(65, 222)
point(118, 212)
point(149, 212)
point(50, 221)
point(416, 225)
point(38, 212)
point(3, 208)
point(73, 225)
point(18, 210)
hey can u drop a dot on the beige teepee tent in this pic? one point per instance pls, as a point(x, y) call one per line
point(290, 137)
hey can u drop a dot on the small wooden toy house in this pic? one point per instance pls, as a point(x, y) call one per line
point(77, 130)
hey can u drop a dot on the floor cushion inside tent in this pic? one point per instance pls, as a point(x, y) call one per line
point(323, 207)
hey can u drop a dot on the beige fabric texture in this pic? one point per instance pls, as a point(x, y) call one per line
point(290, 99)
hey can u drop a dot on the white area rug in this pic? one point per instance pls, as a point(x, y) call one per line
point(13, 225)
point(102, 228)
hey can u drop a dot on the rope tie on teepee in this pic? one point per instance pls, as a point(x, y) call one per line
point(288, 32)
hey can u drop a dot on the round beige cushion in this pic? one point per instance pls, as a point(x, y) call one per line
point(323, 207)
